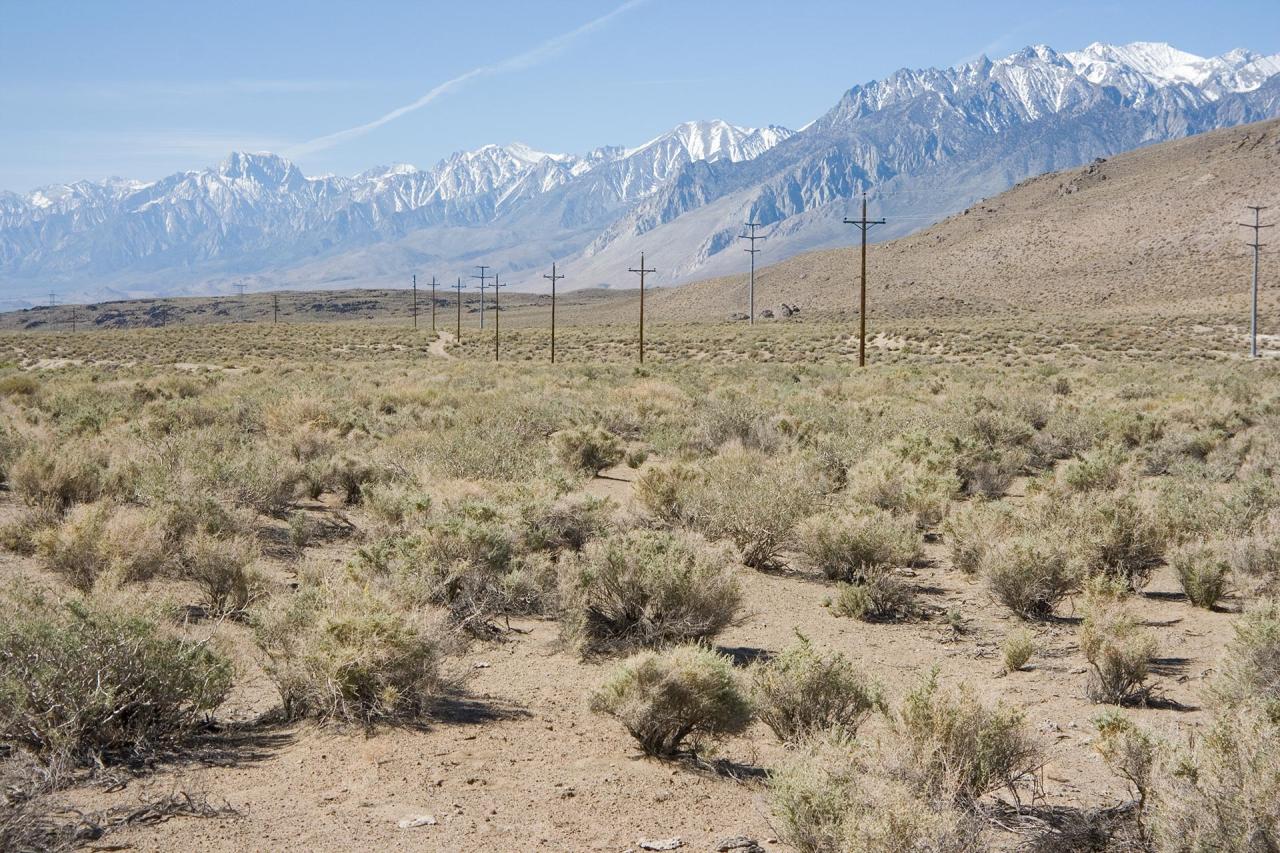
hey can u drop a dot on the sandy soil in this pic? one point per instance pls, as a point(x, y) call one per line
point(520, 763)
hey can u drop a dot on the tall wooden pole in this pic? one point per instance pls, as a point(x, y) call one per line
point(864, 225)
point(554, 278)
point(642, 272)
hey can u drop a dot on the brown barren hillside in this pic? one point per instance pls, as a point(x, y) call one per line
point(1151, 229)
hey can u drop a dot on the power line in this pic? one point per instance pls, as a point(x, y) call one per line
point(642, 272)
point(864, 225)
point(483, 278)
point(554, 278)
point(751, 298)
point(1257, 244)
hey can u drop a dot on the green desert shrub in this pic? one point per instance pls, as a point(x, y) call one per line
point(347, 653)
point(57, 478)
point(1129, 751)
point(1250, 670)
point(750, 499)
point(88, 683)
point(1098, 470)
point(589, 449)
point(1117, 535)
point(225, 571)
point(833, 795)
point(646, 588)
point(669, 699)
point(1221, 794)
point(567, 524)
point(1030, 573)
point(1202, 572)
point(396, 507)
point(1119, 652)
point(960, 746)
point(801, 692)
point(104, 539)
point(1017, 649)
point(350, 475)
point(970, 532)
point(878, 595)
point(662, 489)
point(844, 546)
point(904, 488)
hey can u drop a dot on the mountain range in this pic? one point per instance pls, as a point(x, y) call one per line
point(923, 144)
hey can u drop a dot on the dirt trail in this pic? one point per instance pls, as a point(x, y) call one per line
point(437, 347)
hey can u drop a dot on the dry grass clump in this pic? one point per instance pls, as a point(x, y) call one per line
point(879, 594)
point(1221, 794)
point(970, 532)
point(226, 572)
point(834, 796)
point(962, 747)
point(1030, 573)
point(567, 524)
point(646, 588)
point(666, 699)
point(58, 477)
point(801, 692)
point(104, 540)
point(749, 498)
point(1250, 673)
point(914, 489)
point(1119, 651)
point(589, 449)
point(1098, 470)
point(845, 546)
point(1203, 573)
point(87, 683)
point(1017, 649)
point(346, 653)
point(661, 491)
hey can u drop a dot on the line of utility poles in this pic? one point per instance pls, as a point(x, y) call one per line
point(642, 271)
point(864, 225)
point(1257, 245)
point(554, 278)
point(751, 292)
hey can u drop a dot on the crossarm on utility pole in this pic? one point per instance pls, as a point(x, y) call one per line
point(863, 225)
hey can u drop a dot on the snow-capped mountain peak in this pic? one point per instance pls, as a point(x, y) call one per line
point(1162, 65)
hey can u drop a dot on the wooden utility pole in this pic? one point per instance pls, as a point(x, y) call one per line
point(275, 308)
point(642, 272)
point(497, 323)
point(433, 303)
point(1257, 244)
point(458, 287)
point(751, 297)
point(554, 278)
point(240, 288)
point(483, 278)
point(864, 225)
point(73, 319)
point(415, 302)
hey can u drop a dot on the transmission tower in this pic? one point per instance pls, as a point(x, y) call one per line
point(642, 271)
point(240, 288)
point(554, 278)
point(864, 225)
point(1257, 244)
point(751, 236)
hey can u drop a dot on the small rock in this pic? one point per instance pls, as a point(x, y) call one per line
point(480, 664)
point(416, 821)
point(741, 843)
point(663, 844)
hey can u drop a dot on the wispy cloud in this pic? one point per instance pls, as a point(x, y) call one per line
point(520, 61)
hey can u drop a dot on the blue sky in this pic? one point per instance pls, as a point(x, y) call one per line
point(141, 89)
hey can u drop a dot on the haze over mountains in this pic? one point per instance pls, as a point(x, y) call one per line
point(923, 144)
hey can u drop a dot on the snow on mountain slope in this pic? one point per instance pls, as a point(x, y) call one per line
point(924, 142)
